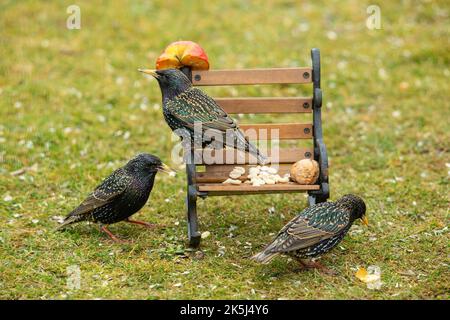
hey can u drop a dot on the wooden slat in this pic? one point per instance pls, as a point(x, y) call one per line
point(232, 156)
point(252, 76)
point(225, 169)
point(282, 131)
point(266, 105)
point(220, 173)
point(204, 177)
point(221, 189)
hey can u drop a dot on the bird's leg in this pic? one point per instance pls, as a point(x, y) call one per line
point(142, 223)
point(111, 235)
point(309, 264)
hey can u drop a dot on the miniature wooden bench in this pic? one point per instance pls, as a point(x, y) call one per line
point(209, 182)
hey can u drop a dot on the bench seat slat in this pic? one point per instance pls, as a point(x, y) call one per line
point(287, 131)
point(252, 76)
point(220, 173)
point(265, 105)
point(221, 189)
point(204, 177)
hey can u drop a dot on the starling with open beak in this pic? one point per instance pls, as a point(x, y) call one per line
point(315, 231)
point(120, 195)
point(184, 106)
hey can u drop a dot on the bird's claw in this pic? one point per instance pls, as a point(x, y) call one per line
point(113, 237)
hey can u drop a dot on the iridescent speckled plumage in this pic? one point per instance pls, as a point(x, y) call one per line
point(120, 195)
point(316, 230)
point(184, 106)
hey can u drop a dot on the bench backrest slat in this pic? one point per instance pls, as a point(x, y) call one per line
point(266, 105)
point(252, 76)
point(285, 131)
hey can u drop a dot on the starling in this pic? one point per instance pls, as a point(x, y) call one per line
point(120, 195)
point(315, 231)
point(184, 106)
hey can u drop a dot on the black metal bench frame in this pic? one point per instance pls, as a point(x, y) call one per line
point(320, 155)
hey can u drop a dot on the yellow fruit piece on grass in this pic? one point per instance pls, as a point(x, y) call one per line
point(365, 277)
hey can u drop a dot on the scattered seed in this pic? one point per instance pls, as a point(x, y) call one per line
point(232, 181)
point(205, 234)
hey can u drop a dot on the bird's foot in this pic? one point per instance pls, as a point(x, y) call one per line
point(112, 236)
point(316, 265)
point(143, 223)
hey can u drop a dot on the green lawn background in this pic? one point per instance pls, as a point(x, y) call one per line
point(73, 108)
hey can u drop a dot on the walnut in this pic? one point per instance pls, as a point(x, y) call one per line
point(305, 171)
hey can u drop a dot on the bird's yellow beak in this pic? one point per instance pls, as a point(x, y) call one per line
point(365, 221)
point(150, 72)
point(165, 168)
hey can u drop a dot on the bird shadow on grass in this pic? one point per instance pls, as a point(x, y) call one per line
point(92, 232)
point(134, 237)
point(283, 269)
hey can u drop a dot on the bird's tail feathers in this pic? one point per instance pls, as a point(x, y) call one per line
point(262, 159)
point(68, 221)
point(264, 256)
point(242, 142)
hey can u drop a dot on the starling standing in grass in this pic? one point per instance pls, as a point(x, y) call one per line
point(120, 195)
point(184, 105)
point(315, 231)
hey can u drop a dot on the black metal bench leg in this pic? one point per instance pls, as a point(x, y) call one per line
point(320, 199)
point(193, 234)
point(311, 200)
point(315, 198)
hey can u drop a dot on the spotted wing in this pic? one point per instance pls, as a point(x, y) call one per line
point(194, 105)
point(313, 225)
point(106, 192)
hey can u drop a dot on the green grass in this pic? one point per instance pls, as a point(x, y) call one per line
point(67, 98)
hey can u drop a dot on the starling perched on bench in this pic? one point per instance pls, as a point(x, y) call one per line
point(184, 105)
point(120, 195)
point(315, 231)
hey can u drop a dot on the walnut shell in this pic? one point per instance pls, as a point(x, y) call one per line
point(305, 171)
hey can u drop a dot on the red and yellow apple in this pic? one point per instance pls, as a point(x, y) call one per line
point(183, 53)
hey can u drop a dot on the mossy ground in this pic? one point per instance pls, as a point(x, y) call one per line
point(72, 102)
